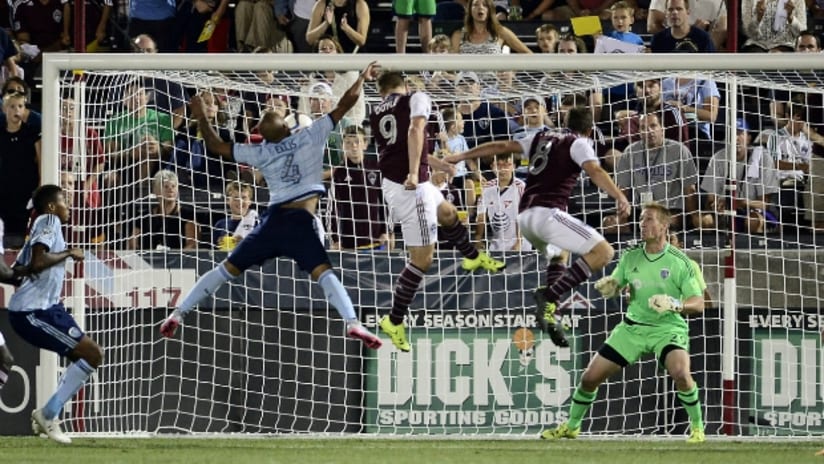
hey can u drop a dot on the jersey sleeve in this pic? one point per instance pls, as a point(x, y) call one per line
point(690, 286)
point(699, 276)
point(619, 273)
point(420, 105)
point(252, 154)
point(581, 151)
point(45, 231)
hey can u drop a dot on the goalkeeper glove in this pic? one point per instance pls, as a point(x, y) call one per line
point(664, 303)
point(170, 325)
point(607, 287)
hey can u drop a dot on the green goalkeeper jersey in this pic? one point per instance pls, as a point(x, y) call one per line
point(668, 273)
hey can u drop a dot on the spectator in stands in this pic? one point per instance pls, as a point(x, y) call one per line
point(336, 18)
point(660, 170)
point(70, 153)
point(534, 115)
point(650, 100)
point(424, 10)
point(708, 15)
point(769, 27)
point(486, 121)
point(790, 145)
point(698, 100)
point(255, 25)
point(136, 140)
point(570, 44)
point(452, 142)
point(197, 19)
point(10, 54)
point(756, 183)
point(358, 217)
point(97, 14)
point(622, 16)
point(43, 23)
point(280, 105)
point(295, 16)
point(680, 36)
point(546, 36)
point(483, 34)
point(19, 167)
point(439, 81)
point(190, 159)
point(497, 228)
point(31, 117)
point(341, 81)
point(167, 96)
point(169, 225)
point(155, 18)
point(319, 103)
point(230, 230)
point(535, 10)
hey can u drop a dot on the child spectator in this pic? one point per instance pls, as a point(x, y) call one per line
point(229, 231)
point(546, 37)
point(623, 16)
point(439, 80)
point(497, 228)
point(452, 142)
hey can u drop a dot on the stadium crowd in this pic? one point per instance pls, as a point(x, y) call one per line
point(147, 168)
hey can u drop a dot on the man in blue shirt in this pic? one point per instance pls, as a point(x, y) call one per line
point(292, 165)
point(38, 316)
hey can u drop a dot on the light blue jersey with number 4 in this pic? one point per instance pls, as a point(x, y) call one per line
point(293, 167)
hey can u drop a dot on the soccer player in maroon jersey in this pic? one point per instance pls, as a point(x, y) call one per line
point(555, 162)
point(400, 125)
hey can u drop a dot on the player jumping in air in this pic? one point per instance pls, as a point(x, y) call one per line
point(402, 131)
point(38, 316)
point(555, 162)
point(292, 165)
point(663, 289)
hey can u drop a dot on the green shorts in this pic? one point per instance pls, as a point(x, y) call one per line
point(632, 341)
point(408, 8)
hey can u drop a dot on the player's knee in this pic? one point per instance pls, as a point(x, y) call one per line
point(447, 214)
point(681, 375)
point(600, 255)
point(93, 355)
point(422, 262)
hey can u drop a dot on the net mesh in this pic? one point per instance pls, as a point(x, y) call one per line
point(266, 354)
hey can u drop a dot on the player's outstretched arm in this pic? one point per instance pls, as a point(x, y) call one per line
point(41, 258)
point(486, 149)
point(214, 143)
point(600, 178)
point(350, 97)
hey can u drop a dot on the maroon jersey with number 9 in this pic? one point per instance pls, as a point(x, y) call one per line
point(390, 122)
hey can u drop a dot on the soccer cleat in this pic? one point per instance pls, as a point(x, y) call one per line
point(562, 431)
point(355, 329)
point(545, 315)
point(483, 261)
point(39, 424)
point(696, 436)
point(397, 333)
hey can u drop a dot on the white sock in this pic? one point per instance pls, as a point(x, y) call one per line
point(205, 286)
point(337, 295)
point(74, 378)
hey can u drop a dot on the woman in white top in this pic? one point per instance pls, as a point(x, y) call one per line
point(483, 34)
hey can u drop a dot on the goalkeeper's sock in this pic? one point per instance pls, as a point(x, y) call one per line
point(574, 275)
point(205, 286)
point(73, 380)
point(581, 401)
point(692, 404)
point(405, 289)
point(458, 235)
point(336, 295)
point(554, 272)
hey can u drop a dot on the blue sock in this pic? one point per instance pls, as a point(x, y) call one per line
point(73, 380)
point(337, 295)
point(205, 286)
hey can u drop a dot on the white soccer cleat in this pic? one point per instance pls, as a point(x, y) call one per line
point(355, 329)
point(39, 424)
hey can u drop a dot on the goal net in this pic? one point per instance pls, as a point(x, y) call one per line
point(267, 354)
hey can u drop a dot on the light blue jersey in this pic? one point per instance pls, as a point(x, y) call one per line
point(41, 291)
point(293, 167)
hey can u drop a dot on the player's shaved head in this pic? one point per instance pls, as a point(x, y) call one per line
point(390, 80)
point(273, 128)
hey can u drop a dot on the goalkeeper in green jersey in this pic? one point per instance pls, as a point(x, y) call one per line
point(663, 289)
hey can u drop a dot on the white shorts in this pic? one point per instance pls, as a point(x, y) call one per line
point(552, 227)
point(416, 211)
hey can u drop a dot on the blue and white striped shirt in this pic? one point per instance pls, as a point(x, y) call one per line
point(293, 167)
point(41, 291)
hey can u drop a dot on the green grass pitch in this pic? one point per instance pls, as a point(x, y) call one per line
point(24, 450)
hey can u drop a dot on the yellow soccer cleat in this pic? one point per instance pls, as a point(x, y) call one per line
point(545, 317)
point(483, 261)
point(562, 431)
point(397, 333)
point(696, 436)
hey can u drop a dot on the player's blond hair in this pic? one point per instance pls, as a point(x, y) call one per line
point(622, 5)
point(663, 213)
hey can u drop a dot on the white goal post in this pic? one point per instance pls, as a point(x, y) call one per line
point(303, 376)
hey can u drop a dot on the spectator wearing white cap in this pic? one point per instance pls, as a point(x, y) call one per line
point(533, 116)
